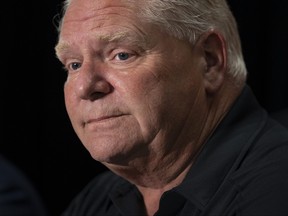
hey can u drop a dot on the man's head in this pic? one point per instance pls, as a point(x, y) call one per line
point(188, 19)
point(148, 80)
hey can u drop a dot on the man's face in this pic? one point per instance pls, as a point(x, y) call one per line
point(131, 90)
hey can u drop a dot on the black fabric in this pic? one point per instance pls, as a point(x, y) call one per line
point(18, 197)
point(281, 116)
point(242, 170)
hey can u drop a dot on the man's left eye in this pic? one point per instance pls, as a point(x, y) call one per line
point(122, 56)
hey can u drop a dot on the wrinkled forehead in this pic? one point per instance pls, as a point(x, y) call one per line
point(102, 4)
point(81, 10)
point(110, 21)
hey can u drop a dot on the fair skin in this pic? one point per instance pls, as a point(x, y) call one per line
point(141, 102)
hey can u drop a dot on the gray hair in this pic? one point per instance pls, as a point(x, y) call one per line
point(188, 19)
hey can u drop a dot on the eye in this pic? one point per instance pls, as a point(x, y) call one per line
point(74, 66)
point(122, 56)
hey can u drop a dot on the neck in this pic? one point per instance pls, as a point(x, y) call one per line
point(152, 181)
point(155, 172)
point(152, 196)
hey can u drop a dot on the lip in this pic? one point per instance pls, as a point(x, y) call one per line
point(102, 119)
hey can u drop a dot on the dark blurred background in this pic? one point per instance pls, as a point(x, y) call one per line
point(36, 134)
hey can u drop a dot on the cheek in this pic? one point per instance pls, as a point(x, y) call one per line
point(140, 91)
point(136, 84)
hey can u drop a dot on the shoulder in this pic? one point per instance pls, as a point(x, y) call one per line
point(281, 116)
point(12, 177)
point(10, 174)
point(95, 195)
point(262, 176)
point(103, 183)
point(17, 194)
point(269, 148)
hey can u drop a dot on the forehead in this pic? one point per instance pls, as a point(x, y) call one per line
point(86, 8)
point(95, 15)
point(106, 38)
point(102, 20)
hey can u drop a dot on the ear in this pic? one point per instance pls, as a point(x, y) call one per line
point(215, 55)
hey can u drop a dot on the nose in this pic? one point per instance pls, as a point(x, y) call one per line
point(91, 83)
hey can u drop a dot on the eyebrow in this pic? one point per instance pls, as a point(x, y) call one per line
point(118, 37)
point(62, 47)
point(115, 37)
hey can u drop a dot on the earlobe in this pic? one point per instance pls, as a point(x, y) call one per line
point(214, 50)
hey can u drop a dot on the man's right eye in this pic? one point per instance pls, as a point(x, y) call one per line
point(74, 66)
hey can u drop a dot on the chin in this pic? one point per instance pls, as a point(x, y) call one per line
point(117, 153)
point(111, 159)
point(113, 154)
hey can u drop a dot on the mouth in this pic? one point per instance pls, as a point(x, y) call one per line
point(103, 119)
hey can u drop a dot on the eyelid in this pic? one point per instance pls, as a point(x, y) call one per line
point(74, 63)
point(116, 52)
point(118, 57)
point(68, 65)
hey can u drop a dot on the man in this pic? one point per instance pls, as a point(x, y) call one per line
point(156, 92)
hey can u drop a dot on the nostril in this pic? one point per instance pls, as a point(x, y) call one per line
point(96, 96)
point(103, 86)
point(97, 90)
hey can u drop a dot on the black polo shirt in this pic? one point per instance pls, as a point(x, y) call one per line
point(242, 170)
